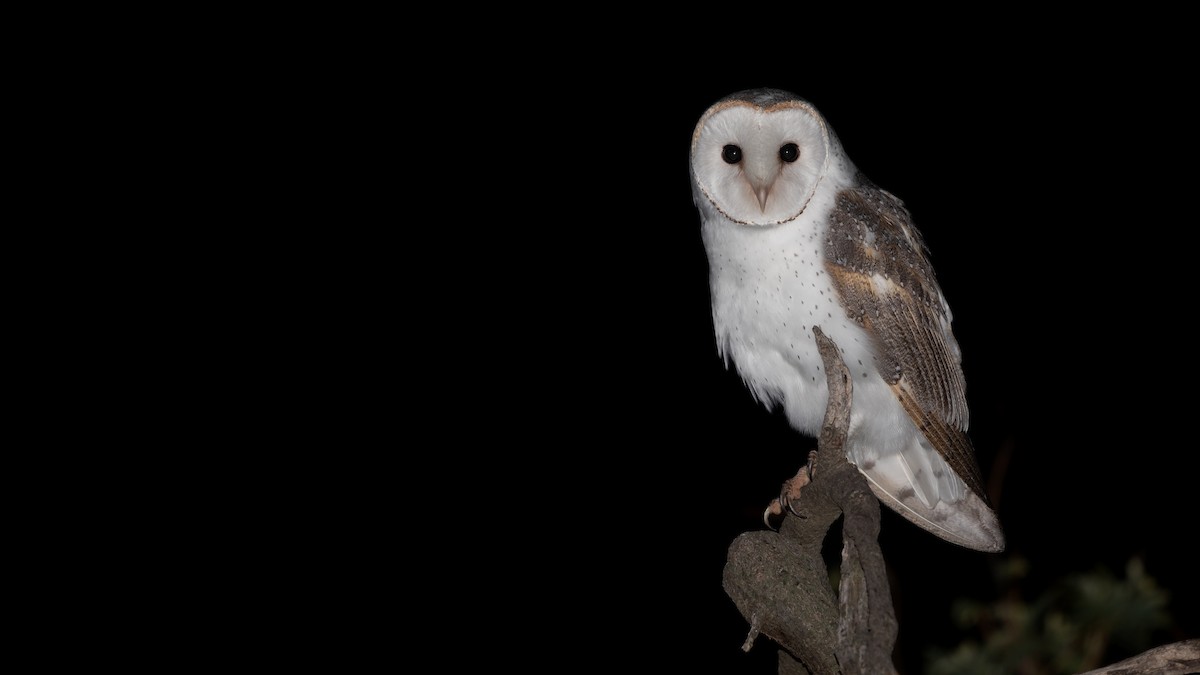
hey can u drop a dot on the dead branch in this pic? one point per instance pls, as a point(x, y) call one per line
point(1177, 658)
point(779, 582)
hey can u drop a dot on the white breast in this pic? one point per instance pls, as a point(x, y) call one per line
point(769, 288)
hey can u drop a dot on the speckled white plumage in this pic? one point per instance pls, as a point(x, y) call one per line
point(796, 237)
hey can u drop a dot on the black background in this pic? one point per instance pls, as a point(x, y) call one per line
point(555, 366)
point(1057, 204)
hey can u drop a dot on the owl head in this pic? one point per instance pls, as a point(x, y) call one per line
point(759, 155)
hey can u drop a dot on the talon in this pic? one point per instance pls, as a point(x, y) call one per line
point(789, 492)
point(773, 509)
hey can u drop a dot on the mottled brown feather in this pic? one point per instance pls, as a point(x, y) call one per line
point(871, 237)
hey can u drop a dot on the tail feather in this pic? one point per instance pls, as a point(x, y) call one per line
point(949, 510)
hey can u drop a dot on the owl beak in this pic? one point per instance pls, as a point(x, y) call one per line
point(761, 182)
point(762, 193)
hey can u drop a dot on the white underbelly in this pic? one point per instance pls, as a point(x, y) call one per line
point(764, 322)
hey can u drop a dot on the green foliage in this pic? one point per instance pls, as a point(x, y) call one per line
point(1069, 628)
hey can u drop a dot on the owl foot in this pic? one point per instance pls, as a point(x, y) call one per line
point(789, 493)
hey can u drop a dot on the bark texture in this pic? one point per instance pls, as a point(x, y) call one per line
point(1177, 658)
point(779, 581)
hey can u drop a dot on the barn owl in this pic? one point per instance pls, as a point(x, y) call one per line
point(797, 238)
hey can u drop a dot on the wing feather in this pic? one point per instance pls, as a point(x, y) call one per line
point(880, 267)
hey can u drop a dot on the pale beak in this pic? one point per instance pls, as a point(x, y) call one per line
point(762, 193)
point(762, 179)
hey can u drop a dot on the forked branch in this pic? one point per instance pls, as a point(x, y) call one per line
point(779, 581)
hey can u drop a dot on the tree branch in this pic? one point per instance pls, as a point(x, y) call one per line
point(779, 582)
point(1177, 658)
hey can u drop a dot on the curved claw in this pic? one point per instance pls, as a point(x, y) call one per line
point(791, 509)
point(784, 501)
point(788, 486)
point(775, 508)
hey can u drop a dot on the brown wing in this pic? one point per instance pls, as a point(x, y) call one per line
point(879, 266)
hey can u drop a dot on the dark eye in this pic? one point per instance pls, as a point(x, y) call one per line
point(787, 153)
point(732, 154)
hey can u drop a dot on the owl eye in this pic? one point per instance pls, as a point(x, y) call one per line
point(732, 154)
point(788, 152)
